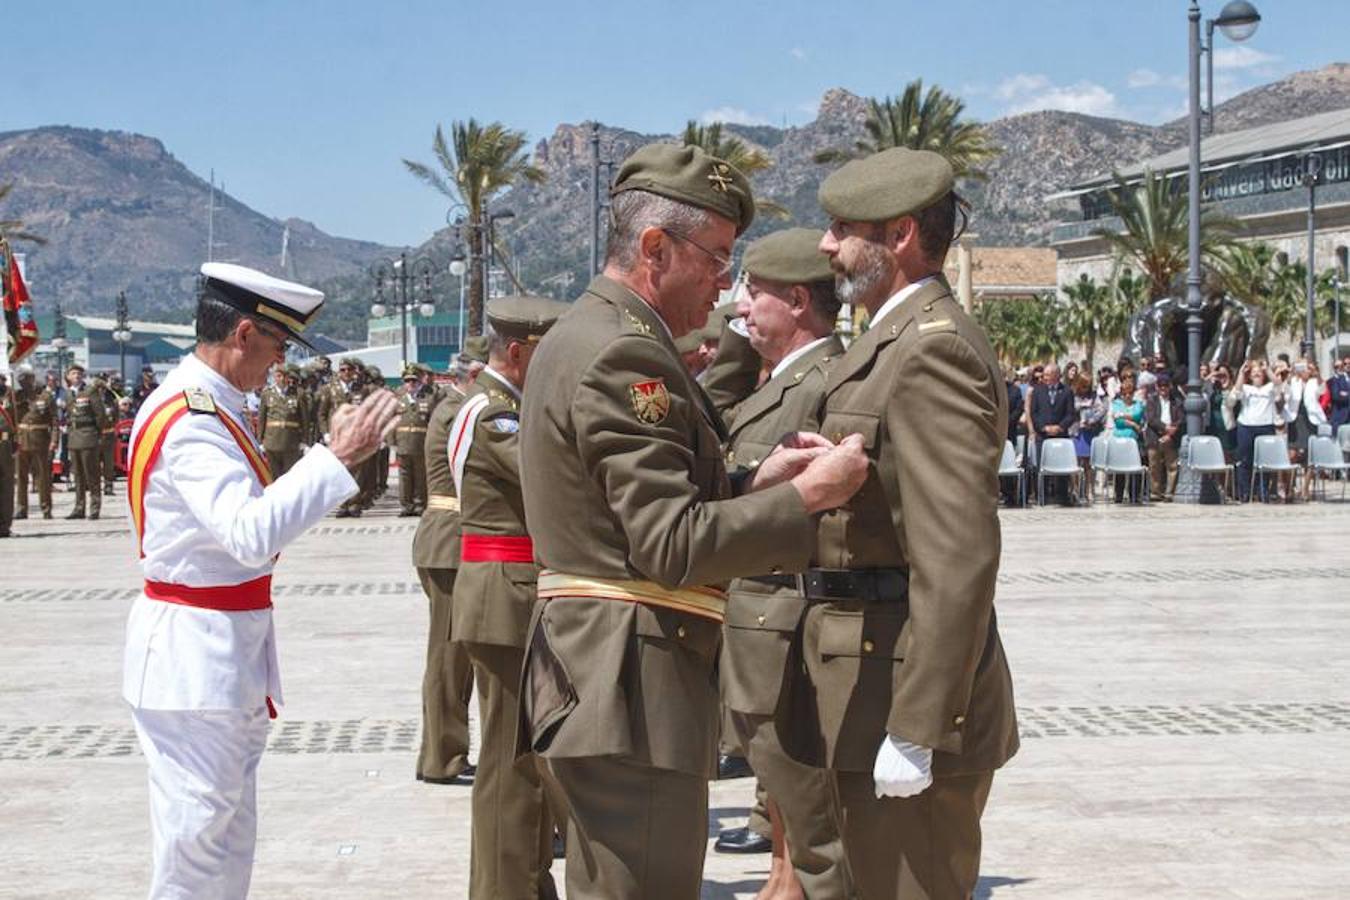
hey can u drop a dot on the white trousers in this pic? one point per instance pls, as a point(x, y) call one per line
point(203, 799)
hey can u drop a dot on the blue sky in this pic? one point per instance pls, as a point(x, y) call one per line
point(304, 108)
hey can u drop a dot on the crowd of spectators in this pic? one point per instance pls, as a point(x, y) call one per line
point(1146, 404)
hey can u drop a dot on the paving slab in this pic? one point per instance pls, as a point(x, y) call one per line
point(1180, 671)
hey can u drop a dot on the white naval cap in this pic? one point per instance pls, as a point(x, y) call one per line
point(292, 306)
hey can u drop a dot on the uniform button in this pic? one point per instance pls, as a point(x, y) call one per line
point(761, 620)
point(838, 436)
point(681, 632)
point(868, 646)
point(754, 463)
point(958, 720)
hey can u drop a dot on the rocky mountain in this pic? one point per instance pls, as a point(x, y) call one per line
point(122, 213)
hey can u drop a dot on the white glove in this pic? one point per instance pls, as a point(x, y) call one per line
point(902, 769)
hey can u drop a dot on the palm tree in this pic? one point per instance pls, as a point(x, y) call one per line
point(1092, 312)
point(920, 121)
point(12, 229)
point(1153, 231)
point(485, 160)
point(1022, 330)
point(1246, 272)
point(735, 151)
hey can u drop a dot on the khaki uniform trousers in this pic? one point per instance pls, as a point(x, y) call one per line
point(280, 461)
point(917, 848)
point(85, 466)
point(447, 685)
point(412, 481)
point(806, 801)
point(107, 450)
point(38, 464)
point(633, 832)
point(512, 847)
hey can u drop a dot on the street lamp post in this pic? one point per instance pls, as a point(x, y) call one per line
point(403, 276)
point(457, 269)
point(490, 252)
point(122, 334)
point(1312, 168)
point(59, 341)
point(1238, 21)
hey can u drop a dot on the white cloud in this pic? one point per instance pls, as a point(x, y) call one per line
point(732, 115)
point(1147, 78)
point(1026, 92)
point(798, 54)
point(1241, 58)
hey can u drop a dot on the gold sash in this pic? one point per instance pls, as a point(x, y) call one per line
point(708, 602)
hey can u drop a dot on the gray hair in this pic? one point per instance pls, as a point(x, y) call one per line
point(496, 344)
point(632, 212)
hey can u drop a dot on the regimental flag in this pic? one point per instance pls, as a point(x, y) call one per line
point(23, 332)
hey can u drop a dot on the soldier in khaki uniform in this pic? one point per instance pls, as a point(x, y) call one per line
point(378, 476)
point(635, 522)
point(901, 642)
point(494, 594)
point(789, 309)
point(9, 433)
point(346, 388)
point(35, 409)
point(447, 683)
point(84, 434)
point(107, 442)
point(417, 399)
point(283, 420)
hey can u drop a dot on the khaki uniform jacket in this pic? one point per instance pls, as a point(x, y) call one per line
point(493, 600)
point(436, 543)
point(623, 476)
point(415, 409)
point(87, 421)
point(761, 619)
point(283, 419)
point(37, 419)
point(923, 388)
point(334, 394)
point(107, 397)
point(734, 372)
point(9, 424)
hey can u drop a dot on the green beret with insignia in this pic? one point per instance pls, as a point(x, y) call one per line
point(886, 185)
point(524, 317)
point(790, 256)
point(412, 371)
point(689, 175)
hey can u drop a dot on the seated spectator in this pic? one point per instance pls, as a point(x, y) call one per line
point(1339, 390)
point(1089, 420)
point(1127, 418)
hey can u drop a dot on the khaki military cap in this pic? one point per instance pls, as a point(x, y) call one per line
point(475, 349)
point(412, 371)
point(292, 370)
point(523, 317)
point(790, 256)
point(689, 175)
point(886, 185)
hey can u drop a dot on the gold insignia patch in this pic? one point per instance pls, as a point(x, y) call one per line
point(199, 400)
point(720, 177)
point(651, 401)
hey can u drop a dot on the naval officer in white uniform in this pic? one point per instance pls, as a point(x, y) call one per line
point(200, 668)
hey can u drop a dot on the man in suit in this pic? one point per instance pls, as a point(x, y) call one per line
point(1164, 422)
point(902, 648)
point(635, 522)
point(1339, 387)
point(1051, 417)
point(788, 309)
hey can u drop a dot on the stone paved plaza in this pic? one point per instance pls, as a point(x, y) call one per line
point(1182, 672)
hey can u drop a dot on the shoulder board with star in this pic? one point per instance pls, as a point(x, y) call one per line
point(199, 401)
point(639, 326)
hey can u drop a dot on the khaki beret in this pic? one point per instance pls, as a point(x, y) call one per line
point(475, 349)
point(689, 175)
point(524, 317)
point(413, 371)
point(886, 185)
point(790, 256)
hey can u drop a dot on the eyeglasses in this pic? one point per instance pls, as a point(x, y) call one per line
point(724, 262)
point(283, 342)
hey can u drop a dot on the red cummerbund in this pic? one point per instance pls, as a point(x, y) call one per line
point(496, 548)
point(255, 594)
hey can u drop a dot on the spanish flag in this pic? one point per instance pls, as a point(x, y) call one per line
point(23, 332)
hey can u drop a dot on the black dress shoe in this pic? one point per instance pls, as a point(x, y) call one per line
point(77, 514)
point(742, 840)
point(733, 767)
point(405, 513)
point(93, 516)
point(21, 515)
point(465, 776)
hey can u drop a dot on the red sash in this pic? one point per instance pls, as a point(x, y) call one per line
point(251, 595)
point(496, 548)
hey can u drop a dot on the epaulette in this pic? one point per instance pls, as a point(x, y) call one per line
point(199, 401)
point(937, 326)
point(638, 325)
point(503, 398)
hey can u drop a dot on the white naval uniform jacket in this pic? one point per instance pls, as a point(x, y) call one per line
point(208, 522)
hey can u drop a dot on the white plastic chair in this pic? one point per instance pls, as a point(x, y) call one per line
point(1122, 458)
point(1343, 438)
point(1325, 456)
point(1271, 455)
point(1008, 468)
point(1097, 455)
point(1058, 459)
point(1206, 458)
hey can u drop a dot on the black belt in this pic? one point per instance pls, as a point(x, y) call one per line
point(868, 585)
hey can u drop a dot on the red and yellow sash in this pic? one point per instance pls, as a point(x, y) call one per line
point(150, 441)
